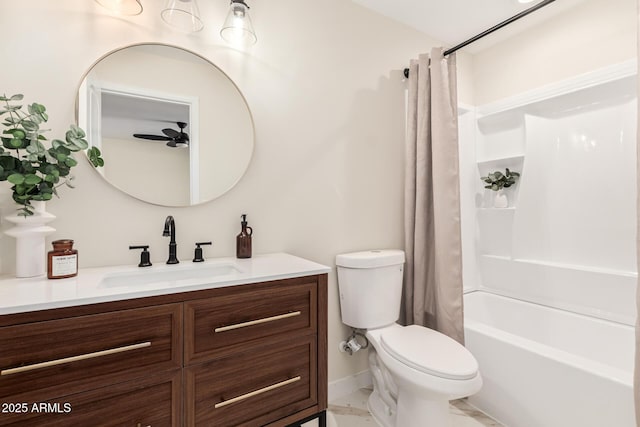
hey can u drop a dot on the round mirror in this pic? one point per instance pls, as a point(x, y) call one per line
point(173, 129)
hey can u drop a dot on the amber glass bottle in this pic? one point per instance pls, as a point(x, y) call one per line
point(243, 240)
point(62, 261)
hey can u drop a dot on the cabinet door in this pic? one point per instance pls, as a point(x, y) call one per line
point(254, 387)
point(247, 315)
point(152, 401)
point(49, 359)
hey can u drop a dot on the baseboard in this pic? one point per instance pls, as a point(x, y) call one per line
point(347, 385)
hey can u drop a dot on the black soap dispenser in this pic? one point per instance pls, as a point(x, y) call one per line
point(243, 240)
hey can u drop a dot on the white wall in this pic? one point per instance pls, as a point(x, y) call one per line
point(591, 35)
point(325, 88)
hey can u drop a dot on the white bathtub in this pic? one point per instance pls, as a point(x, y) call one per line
point(544, 367)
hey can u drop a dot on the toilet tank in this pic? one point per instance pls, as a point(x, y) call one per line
point(370, 285)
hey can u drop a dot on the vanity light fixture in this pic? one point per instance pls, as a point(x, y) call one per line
point(183, 15)
point(122, 7)
point(237, 28)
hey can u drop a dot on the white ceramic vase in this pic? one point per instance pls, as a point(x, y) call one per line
point(500, 200)
point(30, 235)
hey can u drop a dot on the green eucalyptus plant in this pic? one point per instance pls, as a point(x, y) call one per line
point(497, 180)
point(35, 170)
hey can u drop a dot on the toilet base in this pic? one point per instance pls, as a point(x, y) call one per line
point(382, 414)
point(412, 412)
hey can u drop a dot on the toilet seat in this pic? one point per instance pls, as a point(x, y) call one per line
point(430, 352)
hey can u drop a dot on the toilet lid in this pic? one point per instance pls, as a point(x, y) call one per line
point(430, 352)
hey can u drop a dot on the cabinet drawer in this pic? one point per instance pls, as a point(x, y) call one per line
point(48, 359)
point(248, 315)
point(252, 388)
point(152, 401)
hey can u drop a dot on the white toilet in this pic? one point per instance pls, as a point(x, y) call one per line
point(415, 370)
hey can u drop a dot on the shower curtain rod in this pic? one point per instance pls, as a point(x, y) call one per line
point(493, 29)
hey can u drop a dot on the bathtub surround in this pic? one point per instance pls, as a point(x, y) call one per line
point(553, 248)
point(585, 263)
point(433, 275)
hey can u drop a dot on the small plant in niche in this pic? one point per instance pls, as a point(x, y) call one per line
point(497, 180)
point(34, 170)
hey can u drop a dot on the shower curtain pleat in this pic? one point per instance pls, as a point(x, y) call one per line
point(433, 275)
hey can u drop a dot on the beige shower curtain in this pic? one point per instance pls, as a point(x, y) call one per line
point(636, 379)
point(433, 275)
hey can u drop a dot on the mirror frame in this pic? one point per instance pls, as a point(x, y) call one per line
point(244, 99)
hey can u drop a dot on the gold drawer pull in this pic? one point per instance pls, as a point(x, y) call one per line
point(74, 358)
point(256, 392)
point(257, 322)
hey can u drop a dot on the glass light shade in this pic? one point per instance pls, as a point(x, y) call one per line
point(122, 7)
point(237, 28)
point(183, 15)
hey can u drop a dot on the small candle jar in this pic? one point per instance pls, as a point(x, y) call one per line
point(62, 261)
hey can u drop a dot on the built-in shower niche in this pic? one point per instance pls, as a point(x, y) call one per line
point(500, 145)
point(568, 237)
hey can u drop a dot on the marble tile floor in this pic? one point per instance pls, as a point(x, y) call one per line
point(351, 411)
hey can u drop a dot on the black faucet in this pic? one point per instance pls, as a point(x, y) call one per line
point(170, 230)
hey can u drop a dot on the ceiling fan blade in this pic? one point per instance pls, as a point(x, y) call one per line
point(171, 132)
point(151, 137)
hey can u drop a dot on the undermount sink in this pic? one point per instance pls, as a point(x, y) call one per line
point(174, 275)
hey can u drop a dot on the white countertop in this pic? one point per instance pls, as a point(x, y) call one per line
point(95, 285)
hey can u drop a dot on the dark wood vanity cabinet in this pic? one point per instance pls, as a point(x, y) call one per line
point(148, 401)
point(120, 366)
point(247, 355)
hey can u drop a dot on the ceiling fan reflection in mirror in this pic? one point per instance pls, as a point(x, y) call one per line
point(173, 137)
